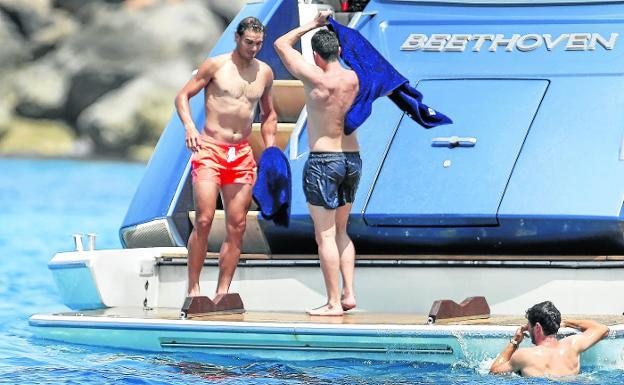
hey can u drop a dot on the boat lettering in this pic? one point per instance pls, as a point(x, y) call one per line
point(441, 42)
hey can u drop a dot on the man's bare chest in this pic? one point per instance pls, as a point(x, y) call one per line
point(233, 85)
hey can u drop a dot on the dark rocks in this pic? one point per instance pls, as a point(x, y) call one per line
point(5, 119)
point(28, 15)
point(140, 108)
point(108, 69)
point(14, 48)
point(88, 85)
point(226, 9)
point(41, 91)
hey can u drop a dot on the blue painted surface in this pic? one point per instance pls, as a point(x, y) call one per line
point(545, 175)
point(461, 185)
point(548, 179)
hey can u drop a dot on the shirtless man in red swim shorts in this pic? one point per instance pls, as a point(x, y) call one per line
point(222, 161)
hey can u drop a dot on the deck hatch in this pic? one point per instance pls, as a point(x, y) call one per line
point(422, 183)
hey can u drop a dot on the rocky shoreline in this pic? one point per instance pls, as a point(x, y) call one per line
point(97, 79)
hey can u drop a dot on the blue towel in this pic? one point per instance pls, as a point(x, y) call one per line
point(378, 78)
point(272, 190)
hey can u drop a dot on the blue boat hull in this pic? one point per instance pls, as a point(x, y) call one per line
point(540, 97)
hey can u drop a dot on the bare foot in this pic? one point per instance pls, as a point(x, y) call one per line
point(194, 292)
point(348, 302)
point(325, 310)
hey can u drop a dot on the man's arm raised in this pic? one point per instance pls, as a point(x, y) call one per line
point(510, 360)
point(268, 122)
point(292, 59)
point(592, 332)
point(198, 82)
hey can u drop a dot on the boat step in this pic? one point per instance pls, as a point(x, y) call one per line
point(288, 99)
point(281, 139)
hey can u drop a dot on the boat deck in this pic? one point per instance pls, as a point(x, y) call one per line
point(180, 255)
point(349, 318)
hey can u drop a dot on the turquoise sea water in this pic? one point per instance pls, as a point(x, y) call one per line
point(42, 203)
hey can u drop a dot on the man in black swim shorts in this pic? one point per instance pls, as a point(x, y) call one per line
point(330, 179)
point(332, 171)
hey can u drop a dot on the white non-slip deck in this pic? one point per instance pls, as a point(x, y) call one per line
point(354, 318)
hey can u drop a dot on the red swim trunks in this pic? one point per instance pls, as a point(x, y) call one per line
point(223, 163)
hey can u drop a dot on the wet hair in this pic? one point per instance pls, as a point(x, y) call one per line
point(325, 43)
point(249, 23)
point(547, 315)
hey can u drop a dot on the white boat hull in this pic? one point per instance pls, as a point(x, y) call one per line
point(294, 336)
point(156, 277)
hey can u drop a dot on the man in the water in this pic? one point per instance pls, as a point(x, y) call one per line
point(549, 357)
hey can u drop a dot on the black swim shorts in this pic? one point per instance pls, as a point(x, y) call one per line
point(330, 179)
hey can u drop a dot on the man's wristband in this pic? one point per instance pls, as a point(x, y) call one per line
point(514, 342)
